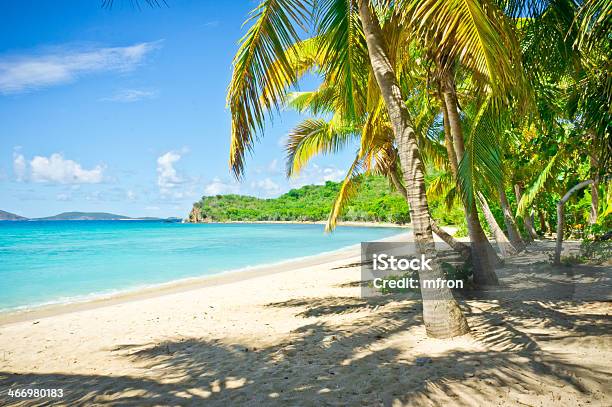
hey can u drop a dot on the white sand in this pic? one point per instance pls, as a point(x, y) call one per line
point(299, 334)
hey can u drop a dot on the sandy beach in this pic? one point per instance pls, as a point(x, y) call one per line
point(306, 222)
point(299, 333)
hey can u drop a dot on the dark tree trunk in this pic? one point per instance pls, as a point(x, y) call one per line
point(441, 313)
point(542, 222)
point(549, 229)
point(483, 254)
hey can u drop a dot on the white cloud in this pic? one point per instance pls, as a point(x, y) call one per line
point(273, 167)
point(282, 141)
point(315, 174)
point(130, 195)
point(332, 174)
point(167, 176)
point(218, 187)
point(172, 184)
point(60, 170)
point(131, 95)
point(29, 72)
point(267, 186)
point(63, 197)
point(19, 166)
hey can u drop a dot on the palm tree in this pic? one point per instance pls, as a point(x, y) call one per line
point(319, 136)
point(266, 65)
point(377, 153)
point(413, 171)
point(568, 53)
point(479, 38)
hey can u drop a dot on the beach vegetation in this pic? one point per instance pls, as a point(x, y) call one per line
point(507, 103)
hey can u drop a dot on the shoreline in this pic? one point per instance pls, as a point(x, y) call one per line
point(185, 284)
point(307, 222)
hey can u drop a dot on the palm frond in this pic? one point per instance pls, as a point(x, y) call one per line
point(314, 102)
point(265, 46)
point(376, 131)
point(344, 50)
point(594, 22)
point(475, 32)
point(539, 184)
point(313, 137)
point(481, 165)
point(348, 189)
point(440, 184)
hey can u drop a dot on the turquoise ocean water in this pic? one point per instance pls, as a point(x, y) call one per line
point(59, 261)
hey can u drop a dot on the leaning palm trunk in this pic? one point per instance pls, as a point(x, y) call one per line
point(451, 241)
point(505, 247)
point(513, 234)
point(456, 245)
point(441, 313)
point(452, 158)
point(527, 218)
point(560, 217)
point(483, 254)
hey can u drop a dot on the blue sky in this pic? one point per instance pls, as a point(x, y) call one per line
point(123, 110)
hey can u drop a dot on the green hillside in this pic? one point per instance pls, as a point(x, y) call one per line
point(374, 202)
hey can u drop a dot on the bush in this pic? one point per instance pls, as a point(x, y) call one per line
point(374, 202)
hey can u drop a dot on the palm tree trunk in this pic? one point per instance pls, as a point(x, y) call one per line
point(452, 157)
point(448, 143)
point(448, 138)
point(561, 214)
point(594, 190)
point(594, 203)
point(456, 245)
point(527, 218)
point(483, 254)
point(441, 313)
point(513, 234)
point(532, 230)
point(505, 247)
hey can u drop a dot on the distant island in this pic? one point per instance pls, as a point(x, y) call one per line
point(79, 216)
point(373, 202)
point(10, 216)
point(85, 216)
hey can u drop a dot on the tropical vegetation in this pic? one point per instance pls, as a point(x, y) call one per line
point(375, 201)
point(502, 105)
